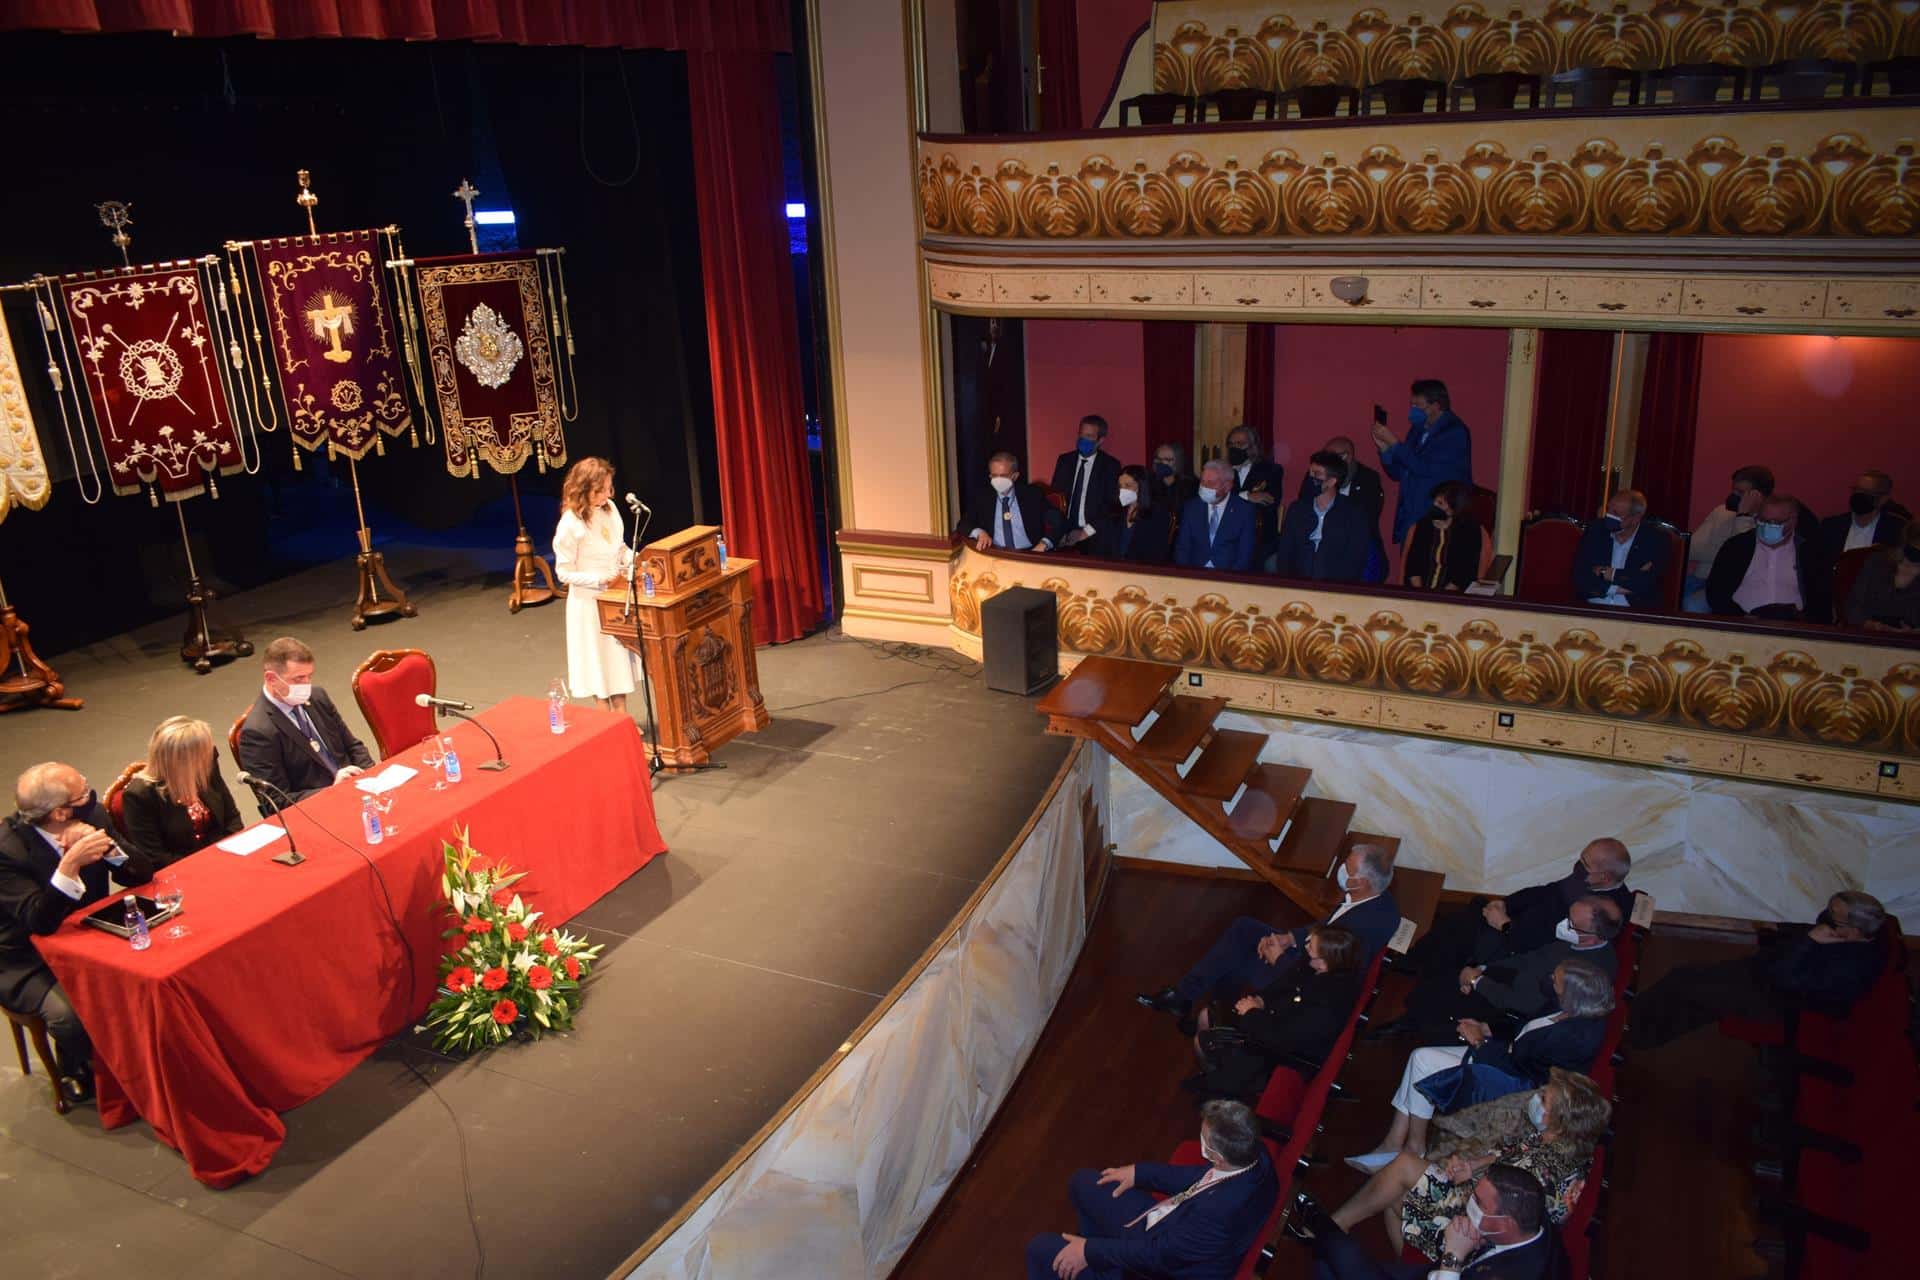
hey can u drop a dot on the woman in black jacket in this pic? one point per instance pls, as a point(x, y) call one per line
point(1443, 553)
point(1293, 1022)
point(1142, 530)
point(178, 802)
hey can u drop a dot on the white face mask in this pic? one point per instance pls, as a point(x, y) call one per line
point(1129, 496)
point(1341, 877)
point(1002, 485)
point(1537, 1111)
point(1475, 1214)
point(297, 694)
point(1566, 932)
point(1214, 496)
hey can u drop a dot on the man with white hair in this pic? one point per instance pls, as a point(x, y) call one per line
point(1490, 930)
point(1217, 529)
point(55, 856)
point(1621, 558)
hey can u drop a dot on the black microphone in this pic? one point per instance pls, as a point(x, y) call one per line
point(460, 709)
point(441, 704)
point(292, 857)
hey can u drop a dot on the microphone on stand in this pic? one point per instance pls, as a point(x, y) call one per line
point(292, 857)
point(449, 706)
point(639, 509)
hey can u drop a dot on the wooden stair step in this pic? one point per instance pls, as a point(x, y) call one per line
point(1224, 765)
point(1272, 796)
point(1109, 690)
point(1317, 838)
point(1183, 723)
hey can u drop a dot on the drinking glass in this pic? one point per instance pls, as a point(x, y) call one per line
point(384, 803)
point(435, 761)
point(168, 895)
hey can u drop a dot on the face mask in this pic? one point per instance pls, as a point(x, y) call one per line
point(297, 695)
point(1213, 496)
point(1319, 486)
point(1861, 504)
point(1772, 532)
point(1475, 1214)
point(1129, 496)
point(84, 803)
point(1341, 876)
point(1416, 418)
point(1733, 503)
point(1437, 513)
point(1164, 470)
point(1207, 1152)
point(1087, 447)
point(1537, 1111)
point(1566, 932)
point(1613, 520)
point(1002, 485)
point(1236, 457)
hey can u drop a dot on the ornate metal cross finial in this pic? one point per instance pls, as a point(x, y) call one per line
point(117, 216)
point(306, 199)
point(466, 195)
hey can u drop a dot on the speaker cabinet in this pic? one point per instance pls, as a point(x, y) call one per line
point(1020, 640)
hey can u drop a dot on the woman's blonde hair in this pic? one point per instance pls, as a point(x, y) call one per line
point(576, 492)
point(1579, 1112)
point(180, 754)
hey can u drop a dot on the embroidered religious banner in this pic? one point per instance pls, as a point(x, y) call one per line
point(151, 360)
point(491, 354)
point(23, 468)
point(335, 346)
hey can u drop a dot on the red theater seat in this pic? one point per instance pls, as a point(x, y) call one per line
point(1673, 574)
point(385, 686)
point(116, 793)
point(1845, 571)
point(1547, 547)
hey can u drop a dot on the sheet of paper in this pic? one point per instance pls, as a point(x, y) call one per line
point(258, 836)
point(385, 780)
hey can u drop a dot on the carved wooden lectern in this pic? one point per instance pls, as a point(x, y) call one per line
point(697, 629)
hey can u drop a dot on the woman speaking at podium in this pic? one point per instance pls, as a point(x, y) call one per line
point(590, 552)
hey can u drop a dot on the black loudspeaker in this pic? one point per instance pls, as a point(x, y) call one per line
point(1020, 640)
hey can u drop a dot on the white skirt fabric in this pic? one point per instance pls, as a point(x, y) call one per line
point(598, 666)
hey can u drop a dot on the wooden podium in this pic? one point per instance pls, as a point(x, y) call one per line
point(697, 633)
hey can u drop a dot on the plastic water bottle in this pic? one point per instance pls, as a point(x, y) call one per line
point(137, 936)
point(646, 583)
point(557, 706)
point(721, 543)
point(370, 820)
point(452, 758)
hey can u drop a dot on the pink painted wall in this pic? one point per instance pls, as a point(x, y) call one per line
point(1077, 367)
point(1106, 27)
point(1817, 410)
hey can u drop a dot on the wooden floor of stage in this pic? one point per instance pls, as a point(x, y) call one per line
point(802, 882)
point(1102, 1088)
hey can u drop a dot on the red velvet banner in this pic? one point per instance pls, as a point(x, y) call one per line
point(150, 358)
point(492, 361)
point(334, 345)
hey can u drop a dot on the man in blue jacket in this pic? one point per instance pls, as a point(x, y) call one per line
point(1217, 529)
point(1438, 448)
point(1212, 1214)
point(1621, 560)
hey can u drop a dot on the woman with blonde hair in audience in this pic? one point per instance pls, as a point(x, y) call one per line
point(1553, 1136)
point(178, 802)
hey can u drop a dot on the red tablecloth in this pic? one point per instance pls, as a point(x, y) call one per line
point(292, 975)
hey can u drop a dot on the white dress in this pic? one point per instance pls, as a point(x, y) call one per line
point(588, 558)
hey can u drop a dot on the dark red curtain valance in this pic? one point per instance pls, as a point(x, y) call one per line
point(752, 26)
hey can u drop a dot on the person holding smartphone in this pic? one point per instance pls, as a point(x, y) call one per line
point(1438, 448)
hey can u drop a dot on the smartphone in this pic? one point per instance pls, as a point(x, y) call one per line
point(1380, 415)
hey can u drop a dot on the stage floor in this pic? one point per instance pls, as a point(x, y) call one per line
point(801, 882)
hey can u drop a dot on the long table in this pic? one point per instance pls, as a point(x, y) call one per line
point(292, 975)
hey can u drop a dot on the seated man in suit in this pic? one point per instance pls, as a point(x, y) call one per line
point(1868, 521)
point(1212, 1214)
point(1764, 572)
point(1324, 538)
point(1089, 478)
point(1826, 967)
point(1007, 512)
point(1257, 481)
point(1489, 931)
point(1363, 486)
point(1503, 1235)
point(1621, 560)
point(1217, 529)
point(294, 738)
point(1251, 954)
point(56, 853)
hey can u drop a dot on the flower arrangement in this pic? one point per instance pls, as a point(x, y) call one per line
point(504, 972)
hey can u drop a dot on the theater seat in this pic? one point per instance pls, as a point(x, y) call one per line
point(385, 686)
point(1845, 571)
point(1673, 574)
point(1547, 547)
point(115, 798)
point(233, 737)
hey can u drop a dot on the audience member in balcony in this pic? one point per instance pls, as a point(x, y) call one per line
point(1886, 595)
point(1621, 559)
point(1500, 1235)
point(1005, 512)
point(1826, 967)
point(1764, 572)
point(1142, 529)
point(1252, 954)
point(1490, 930)
point(1324, 538)
point(1518, 987)
point(1751, 487)
point(1363, 486)
point(1445, 1078)
point(1294, 1021)
point(1212, 1213)
point(1869, 521)
point(1174, 484)
point(1217, 529)
point(1444, 553)
point(1258, 482)
point(1438, 448)
point(1554, 1138)
point(1088, 477)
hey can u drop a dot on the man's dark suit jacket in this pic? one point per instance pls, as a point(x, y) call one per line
point(1533, 912)
point(1372, 922)
point(1569, 1044)
point(1363, 487)
point(1829, 977)
point(1041, 520)
point(1542, 1258)
point(274, 750)
point(1263, 477)
point(161, 829)
point(1344, 542)
point(1831, 542)
point(1730, 570)
point(1232, 548)
point(1148, 540)
point(1103, 486)
point(29, 904)
point(1203, 1239)
point(1639, 577)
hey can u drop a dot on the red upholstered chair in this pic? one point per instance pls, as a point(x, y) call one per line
point(116, 792)
point(1673, 575)
point(1485, 506)
point(385, 686)
point(1846, 570)
point(233, 737)
point(1547, 547)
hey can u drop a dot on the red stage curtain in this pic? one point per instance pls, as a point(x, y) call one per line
point(1166, 363)
point(1570, 421)
point(1060, 62)
point(752, 337)
point(1256, 395)
point(758, 26)
point(1669, 423)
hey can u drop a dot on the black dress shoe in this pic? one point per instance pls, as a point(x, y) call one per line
point(77, 1088)
point(1166, 1000)
point(1309, 1220)
point(1388, 1030)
